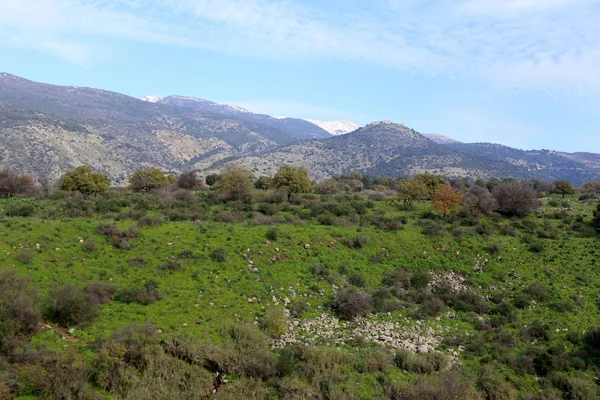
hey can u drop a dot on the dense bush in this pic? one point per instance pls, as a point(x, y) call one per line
point(146, 294)
point(515, 199)
point(69, 305)
point(219, 255)
point(100, 293)
point(351, 303)
point(19, 309)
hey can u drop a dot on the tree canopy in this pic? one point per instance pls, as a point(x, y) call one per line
point(292, 180)
point(235, 183)
point(144, 180)
point(84, 180)
point(563, 187)
point(515, 199)
point(446, 199)
point(12, 184)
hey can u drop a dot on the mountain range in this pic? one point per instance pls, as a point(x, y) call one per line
point(48, 129)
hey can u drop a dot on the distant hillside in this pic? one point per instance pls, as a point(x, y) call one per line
point(543, 164)
point(298, 128)
point(380, 148)
point(48, 129)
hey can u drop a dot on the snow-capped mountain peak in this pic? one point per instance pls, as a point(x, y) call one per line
point(336, 128)
point(152, 99)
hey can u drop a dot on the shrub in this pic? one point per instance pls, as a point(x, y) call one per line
point(20, 210)
point(298, 307)
point(19, 308)
point(419, 363)
point(100, 293)
point(137, 261)
point(147, 294)
point(171, 266)
point(184, 347)
point(420, 280)
point(537, 331)
point(272, 234)
point(351, 303)
point(431, 306)
point(357, 280)
point(151, 221)
point(374, 360)
point(189, 181)
point(90, 245)
point(70, 306)
point(494, 387)
point(275, 322)
point(399, 279)
point(25, 256)
point(515, 199)
point(358, 242)
point(218, 255)
point(432, 228)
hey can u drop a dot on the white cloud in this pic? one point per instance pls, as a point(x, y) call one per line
point(548, 45)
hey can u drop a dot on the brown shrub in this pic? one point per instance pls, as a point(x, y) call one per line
point(351, 303)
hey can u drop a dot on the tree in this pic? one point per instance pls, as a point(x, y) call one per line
point(211, 179)
point(292, 180)
point(479, 200)
point(596, 221)
point(189, 181)
point(563, 187)
point(264, 183)
point(446, 199)
point(515, 199)
point(235, 183)
point(12, 184)
point(431, 182)
point(410, 190)
point(144, 180)
point(327, 186)
point(591, 188)
point(84, 180)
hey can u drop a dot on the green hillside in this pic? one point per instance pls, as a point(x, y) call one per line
point(183, 286)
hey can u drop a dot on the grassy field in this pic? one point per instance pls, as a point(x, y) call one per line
point(517, 296)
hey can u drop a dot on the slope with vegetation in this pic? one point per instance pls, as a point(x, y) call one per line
point(349, 289)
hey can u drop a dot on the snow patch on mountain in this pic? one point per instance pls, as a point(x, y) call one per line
point(152, 99)
point(336, 128)
point(441, 139)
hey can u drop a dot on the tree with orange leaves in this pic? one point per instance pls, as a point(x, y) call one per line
point(446, 199)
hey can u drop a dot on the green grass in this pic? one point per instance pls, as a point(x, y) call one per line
point(206, 295)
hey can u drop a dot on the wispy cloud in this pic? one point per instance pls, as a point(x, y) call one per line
point(546, 45)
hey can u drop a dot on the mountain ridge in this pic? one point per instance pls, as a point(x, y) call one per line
point(48, 129)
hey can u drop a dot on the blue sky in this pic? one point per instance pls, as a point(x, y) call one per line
point(524, 73)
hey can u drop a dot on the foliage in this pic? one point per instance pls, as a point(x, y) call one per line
point(234, 183)
point(82, 179)
point(144, 180)
point(563, 187)
point(70, 306)
point(351, 303)
point(19, 309)
point(479, 201)
point(12, 184)
point(264, 183)
point(189, 180)
point(446, 199)
point(515, 199)
point(292, 180)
